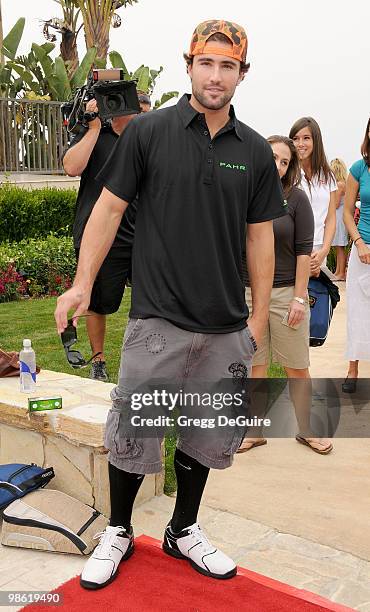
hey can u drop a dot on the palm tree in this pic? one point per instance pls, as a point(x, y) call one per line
point(69, 30)
point(98, 16)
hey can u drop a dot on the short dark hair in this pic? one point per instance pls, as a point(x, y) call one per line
point(292, 177)
point(365, 147)
point(218, 37)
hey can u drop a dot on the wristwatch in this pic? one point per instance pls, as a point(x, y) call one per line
point(299, 300)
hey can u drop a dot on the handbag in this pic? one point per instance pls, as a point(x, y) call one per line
point(18, 479)
point(323, 296)
point(9, 364)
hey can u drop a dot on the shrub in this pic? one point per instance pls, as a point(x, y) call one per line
point(12, 284)
point(35, 213)
point(47, 265)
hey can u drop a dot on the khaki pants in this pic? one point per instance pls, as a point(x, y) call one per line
point(289, 347)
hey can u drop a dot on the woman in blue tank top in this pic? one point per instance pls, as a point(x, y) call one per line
point(358, 274)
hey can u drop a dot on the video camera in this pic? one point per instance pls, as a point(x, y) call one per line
point(114, 96)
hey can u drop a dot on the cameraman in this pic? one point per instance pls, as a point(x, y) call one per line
point(85, 157)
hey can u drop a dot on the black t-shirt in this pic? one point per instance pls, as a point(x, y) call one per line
point(196, 195)
point(293, 236)
point(90, 190)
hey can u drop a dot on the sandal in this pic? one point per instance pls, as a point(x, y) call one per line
point(349, 385)
point(247, 445)
point(307, 442)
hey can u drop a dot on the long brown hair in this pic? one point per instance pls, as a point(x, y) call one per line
point(365, 147)
point(319, 163)
point(292, 176)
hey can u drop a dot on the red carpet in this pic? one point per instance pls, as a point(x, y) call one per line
point(151, 581)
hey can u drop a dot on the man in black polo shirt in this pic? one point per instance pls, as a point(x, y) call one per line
point(85, 157)
point(205, 181)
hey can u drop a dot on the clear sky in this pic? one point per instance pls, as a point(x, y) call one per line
point(308, 57)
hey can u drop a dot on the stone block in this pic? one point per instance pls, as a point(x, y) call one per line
point(70, 440)
point(80, 456)
point(101, 484)
point(146, 491)
point(68, 477)
point(84, 424)
point(159, 483)
point(20, 445)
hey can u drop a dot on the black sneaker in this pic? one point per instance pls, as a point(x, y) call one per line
point(192, 544)
point(98, 371)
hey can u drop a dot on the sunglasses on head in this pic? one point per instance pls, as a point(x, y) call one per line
point(69, 338)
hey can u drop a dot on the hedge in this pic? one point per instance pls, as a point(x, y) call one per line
point(35, 213)
point(36, 267)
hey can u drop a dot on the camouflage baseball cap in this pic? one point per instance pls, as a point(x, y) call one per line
point(234, 32)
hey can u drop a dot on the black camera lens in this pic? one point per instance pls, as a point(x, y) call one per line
point(115, 103)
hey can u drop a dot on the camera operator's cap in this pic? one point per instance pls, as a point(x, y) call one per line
point(144, 97)
point(234, 32)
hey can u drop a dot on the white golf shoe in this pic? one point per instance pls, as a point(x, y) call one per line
point(192, 544)
point(116, 544)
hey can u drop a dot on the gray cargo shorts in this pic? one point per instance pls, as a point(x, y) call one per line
point(155, 349)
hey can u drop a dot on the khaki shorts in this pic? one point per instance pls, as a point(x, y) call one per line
point(287, 346)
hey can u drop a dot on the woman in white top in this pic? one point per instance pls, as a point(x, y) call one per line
point(340, 172)
point(320, 186)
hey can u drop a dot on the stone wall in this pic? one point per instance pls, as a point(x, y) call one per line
point(30, 180)
point(69, 440)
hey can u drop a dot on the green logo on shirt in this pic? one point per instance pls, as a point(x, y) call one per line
point(232, 166)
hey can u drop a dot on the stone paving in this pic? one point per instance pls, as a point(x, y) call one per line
point(339, 576)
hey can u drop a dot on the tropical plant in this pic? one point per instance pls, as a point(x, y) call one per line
point(146, 78)
point(44, 76)
point(98, 16)
point(69, 29)
point(9, 87)
point(40, 77)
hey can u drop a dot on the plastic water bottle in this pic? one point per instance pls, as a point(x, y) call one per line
point(27, 363)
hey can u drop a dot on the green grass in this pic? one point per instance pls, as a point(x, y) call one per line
point(276, 371)
point(35, 319)
point(170, 482)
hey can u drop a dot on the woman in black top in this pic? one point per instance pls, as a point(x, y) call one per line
point(286, 336)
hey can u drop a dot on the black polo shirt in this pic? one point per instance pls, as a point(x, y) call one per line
point(90, 190)
point(196, 195)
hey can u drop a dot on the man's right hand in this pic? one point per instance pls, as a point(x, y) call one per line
point(92, 107)
point(257, 327)
point(75, 298)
